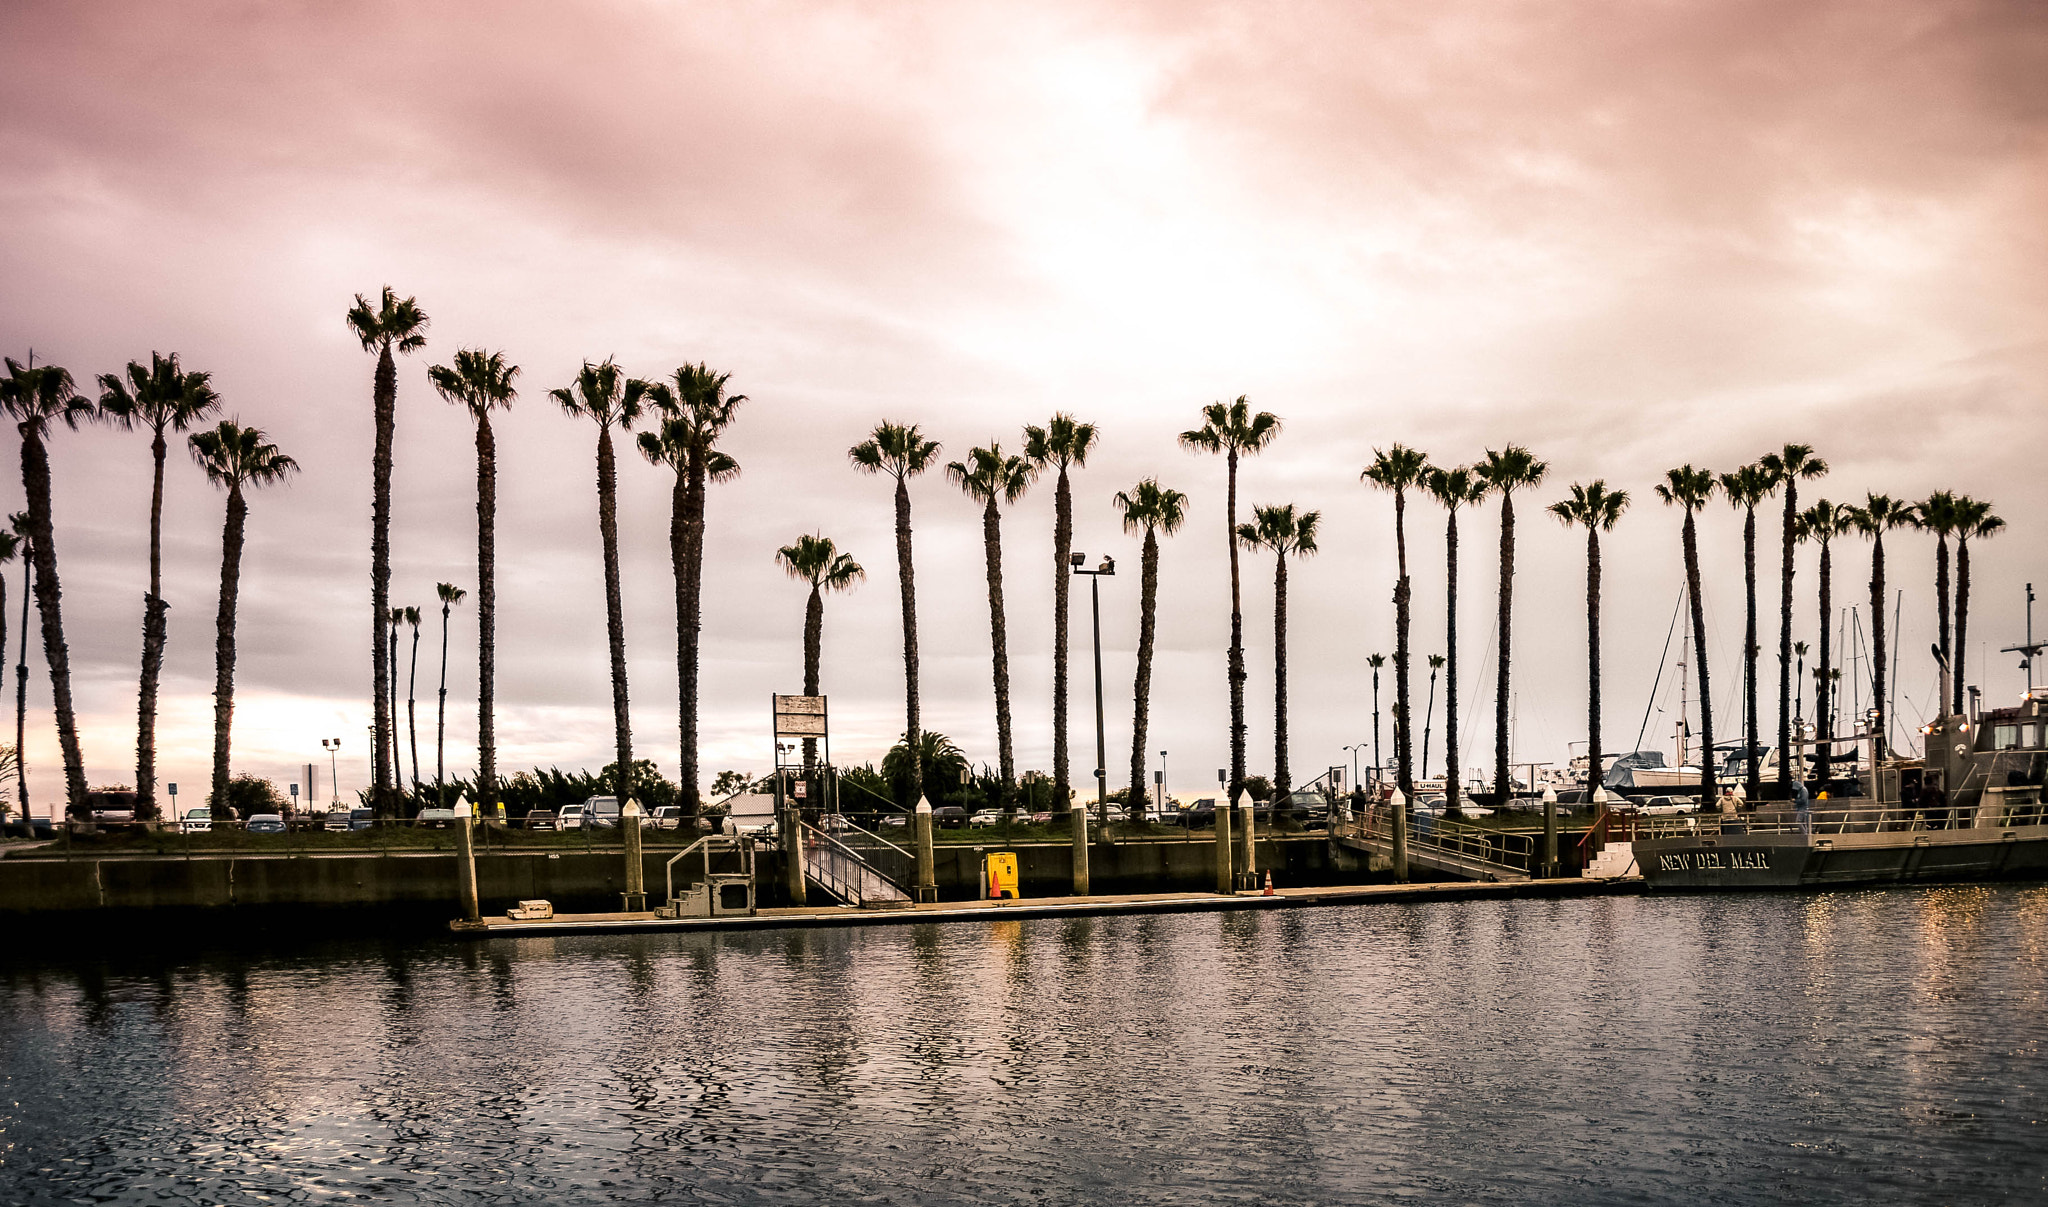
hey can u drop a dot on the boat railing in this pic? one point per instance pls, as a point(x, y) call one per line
point(1818, 820)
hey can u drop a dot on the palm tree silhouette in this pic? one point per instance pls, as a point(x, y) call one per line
point(1399, 470)
point(10, 547)
point(1787, 468)
point(1152, 509)
point(604, 395)
point(1878, 515)
point(1691, 489)
point(480, 382)
point(391, 651)
point(1286, 532)
point(1230, 428)
point(991, 478)
point(1821, 524)
point(1505, 472)
point(392, 324)
point(1063, 443)
point(232, 456)
point(1436, 664)
point(1973, 519)
point(1596, 509)
point(1744, 489)
point(412, 617)
point(450, 595)
point(18, 524)
point(159, 397)
point(902, 452)
point(1453, 488)
point(695, 410)
point(1937, 514)
point(35, 398)
point(815, 560)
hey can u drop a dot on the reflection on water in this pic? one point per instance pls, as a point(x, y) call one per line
point(1876, 1046)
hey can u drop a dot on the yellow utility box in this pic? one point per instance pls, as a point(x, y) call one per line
point(999, 875)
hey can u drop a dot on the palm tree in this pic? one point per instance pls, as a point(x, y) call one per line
point(158, 397)
point(1453, 488)
point(992, 479)
point(412, 617)
point(393, 324)
point(1152, 509)
point(1878, 515)
point(450, 595)
point(1436, 665)
point(1822, 523)
point(35, 398)
point(391, 652)
point(18, 524)
point(10, 546)
point(901, 451)
point(1061, 444)
point(1285, 531)
point(1786, 468)
point(1744, 489)
point(1231, 429)
point(1398, 470)
point(815, 560)
point(232, 456)
point(480, 382)
point(1505, 472)
point(695, 411)
point(603, 394)
point(1376, 662)
point(1974, 519)
point(1937, 514)
point(1596, 509)
point(1691, 489)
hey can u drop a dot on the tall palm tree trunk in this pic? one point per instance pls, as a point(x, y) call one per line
point(21, 682)
point(1962, 619)
point(1882, 729)
point(1404, 737)
point(224, 642)
point(1753, 774)
point(155, 623)
point(814, 653)
point(397, 759)
point(1708, 789)
point(1141, 687)
point(1451, 665)
point(906, 587)
point(412, 727)
point(385, 398)
point(1941, 598)
point(1787, 543)
point(679, 565)
point(1593, 747)
point(1062, 584)
point(35, 475)
point(999, 647)
point(614, 605)
point(1281, 780)
point(690, 619)
point(1503, 785)
point(441, 722)
point(1236, 669)
point(486, 618)
point(1823, 752)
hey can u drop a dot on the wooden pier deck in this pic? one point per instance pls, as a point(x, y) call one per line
point(1044, 907)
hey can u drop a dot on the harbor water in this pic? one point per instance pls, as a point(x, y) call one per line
point(1848, 1047)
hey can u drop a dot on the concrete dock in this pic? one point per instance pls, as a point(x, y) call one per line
point(1045, 907)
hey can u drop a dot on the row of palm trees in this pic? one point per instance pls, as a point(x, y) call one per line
point(161, 397)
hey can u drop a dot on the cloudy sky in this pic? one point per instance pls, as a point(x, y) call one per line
point(1625, 235)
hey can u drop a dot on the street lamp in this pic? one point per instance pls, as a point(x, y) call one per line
point(1162, 783)
point(331, 745)
point(1095, 577)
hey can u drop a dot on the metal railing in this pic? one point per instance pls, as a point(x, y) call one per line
point(842, 870)
point(1454, 841)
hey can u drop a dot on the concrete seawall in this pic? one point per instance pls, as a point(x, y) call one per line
point(128, 885)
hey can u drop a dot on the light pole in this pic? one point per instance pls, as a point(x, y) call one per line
point(1162, 783)
point(1095, 577)
point(1354, 763)
point(331, 746)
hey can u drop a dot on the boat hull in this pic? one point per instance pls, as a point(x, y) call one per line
point(1738, 861)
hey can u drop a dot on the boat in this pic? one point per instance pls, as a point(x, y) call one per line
point(1969, 808)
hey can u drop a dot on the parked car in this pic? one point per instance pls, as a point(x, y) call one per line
point(897, 820)
point(598, 813)
point(985, 817)
point(338, 821)
point(361, 819)
point(667, 817)
point(1115, 813)
point(435, 819)
point(1041, 819)
point(1667, 806)
point(949, 817)
point(266, 823)
point(540, 819)
point(197, 821)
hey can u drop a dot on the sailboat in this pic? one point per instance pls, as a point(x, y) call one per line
point(1681, 774)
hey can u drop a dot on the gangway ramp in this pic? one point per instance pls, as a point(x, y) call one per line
point(857, 867)
point(1439, 845)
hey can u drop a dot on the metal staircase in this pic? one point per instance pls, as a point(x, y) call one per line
point(859, 868)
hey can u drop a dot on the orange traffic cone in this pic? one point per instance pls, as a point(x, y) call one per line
point(1269, 884)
